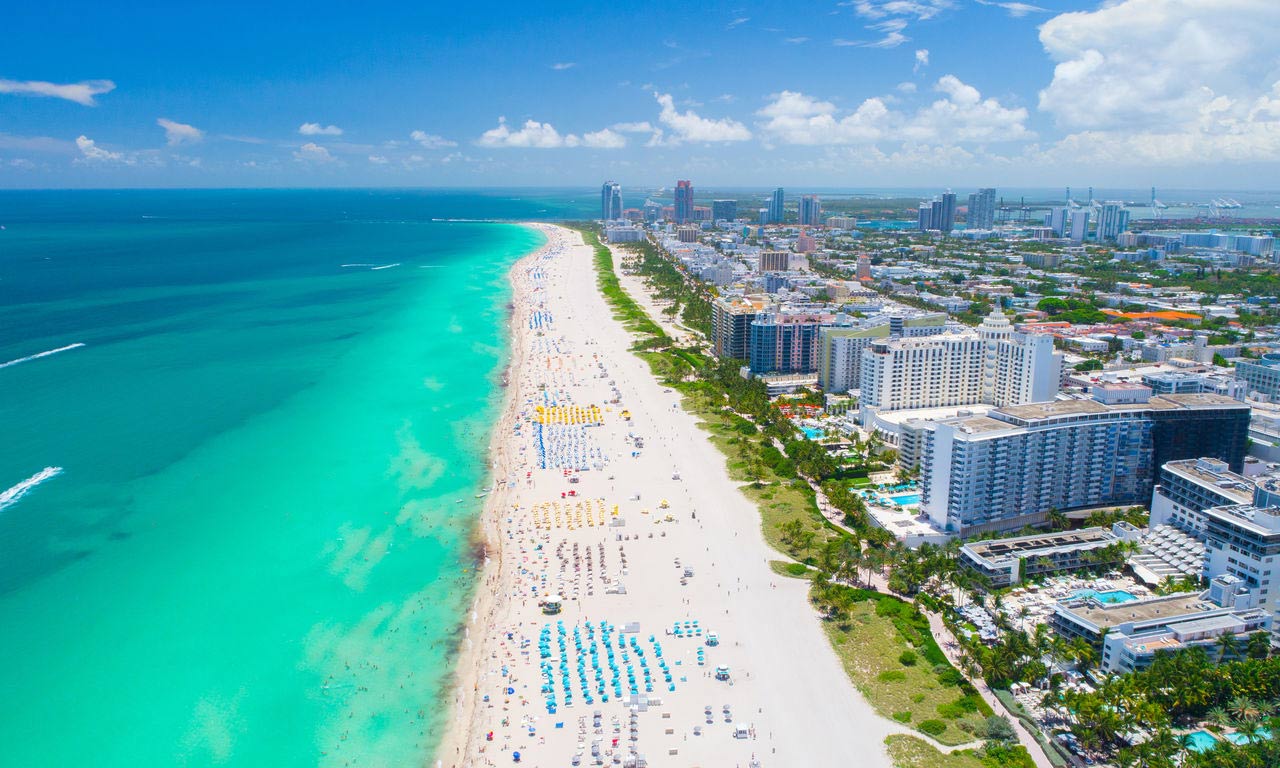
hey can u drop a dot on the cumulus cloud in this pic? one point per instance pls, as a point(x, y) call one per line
point(378, 159)
point(316, 129)
point(738, 22)
point(1166, 81)
point(81, 93)
point(922, 59)
point(560, 66)
point(536, 135)
point(431, 141)
point(90, 152)
point(312, 152)
point(688, 126)
point(795, 40)
point(176, 133)
point(960, 116)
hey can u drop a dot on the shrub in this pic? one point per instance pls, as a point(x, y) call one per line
point(907, 659)
point(902, 717)
point(891, 676)
point(796, 569)
point(932, 727)
point(949, 676)
point(1000, 729)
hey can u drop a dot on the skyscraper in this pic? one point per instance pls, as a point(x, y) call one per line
point(684, 201)
point(810, 211)
point(924, 217)
point(724, 210)
point(948, 221)
point(982, 209)
point(611, 201)
point(776, 206)
point(1080, 225)
point(1113, 219)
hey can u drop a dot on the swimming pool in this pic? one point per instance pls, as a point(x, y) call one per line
point(906, 499)
point(1199, 741)
point(1110, 597)
point(1240, 738)
point(813, 433)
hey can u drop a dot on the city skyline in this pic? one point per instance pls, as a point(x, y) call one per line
point(965, 93)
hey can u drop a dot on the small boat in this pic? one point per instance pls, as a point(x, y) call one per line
point(481, 495)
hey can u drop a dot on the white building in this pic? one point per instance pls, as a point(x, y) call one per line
point(992, 365)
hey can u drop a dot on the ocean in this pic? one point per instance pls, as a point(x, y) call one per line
point(237, 496)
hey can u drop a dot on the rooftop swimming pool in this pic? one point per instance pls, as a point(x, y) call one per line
point(1110, 597)
point(1200, 741)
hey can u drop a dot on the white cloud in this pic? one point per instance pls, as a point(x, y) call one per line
point(1166, 81)
point(531, 134)
point(81, 93)
point(176, 133)
point(920, 10)
point(641, 127)
point(907, 87)
point(316, 129)
point(1015, 9)
point(431, 141)
point(795, 118)
point(536, 135)
point(738, 22)
point(961, 116)
point(604, 139)
point(795, 40)
point(922, 59)
point(312, 153)
point(22, 162)
point(378, 160)
point(690, 127)
point(891, 17)
point(90, 152)
point(560, 66)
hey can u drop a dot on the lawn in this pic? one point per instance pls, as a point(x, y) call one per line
point(912, 752)
point(923, 693)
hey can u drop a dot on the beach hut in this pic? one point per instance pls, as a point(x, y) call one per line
point(722, 672)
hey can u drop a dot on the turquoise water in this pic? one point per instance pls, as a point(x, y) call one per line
point(1199, 741)
point(1240, 738)
point(252, 555)
point(1111, 596)
point(813, 433)
point(906, 499)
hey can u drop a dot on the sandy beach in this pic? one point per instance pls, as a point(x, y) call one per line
point(607, 495)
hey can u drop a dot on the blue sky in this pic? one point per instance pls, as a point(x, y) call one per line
point(862, 93)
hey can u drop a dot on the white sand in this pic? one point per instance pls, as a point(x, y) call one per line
point(787, 684)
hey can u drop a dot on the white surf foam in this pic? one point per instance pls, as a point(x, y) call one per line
point(39, 355)
point(14, 495)
point(384, 266)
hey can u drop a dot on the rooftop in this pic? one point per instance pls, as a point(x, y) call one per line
point(1103, 615)
point(1027, 546)
point(1223, 480)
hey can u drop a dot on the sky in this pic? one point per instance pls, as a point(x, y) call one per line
point(862, 93)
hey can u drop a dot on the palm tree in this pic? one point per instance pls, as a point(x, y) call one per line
point(1219, 716)
point(1227, 646)
point(1258, 645)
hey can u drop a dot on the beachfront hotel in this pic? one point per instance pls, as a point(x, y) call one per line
point(993, 366)
point(1130, 632)
point(1006, 562)
point(1012, 466)
point(841, 348)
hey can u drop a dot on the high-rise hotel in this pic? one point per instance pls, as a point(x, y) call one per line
point(992, 365)
point(1016, 464)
